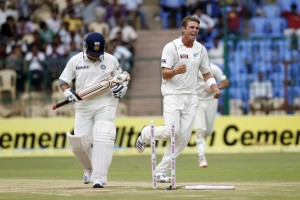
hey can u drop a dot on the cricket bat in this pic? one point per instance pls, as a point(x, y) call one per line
point(97, 88)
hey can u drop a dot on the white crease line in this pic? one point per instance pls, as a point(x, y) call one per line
point(48, 193)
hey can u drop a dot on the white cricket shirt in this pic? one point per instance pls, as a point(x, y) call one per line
point(88, 73)
point(175, 54)
point(217, 74)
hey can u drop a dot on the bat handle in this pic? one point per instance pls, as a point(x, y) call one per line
point(60, 104)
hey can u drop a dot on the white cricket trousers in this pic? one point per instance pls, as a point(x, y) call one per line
point(181, 109)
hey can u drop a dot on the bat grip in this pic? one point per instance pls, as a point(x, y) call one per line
point(60, 104)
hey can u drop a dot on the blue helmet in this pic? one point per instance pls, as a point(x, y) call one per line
point(94, 44)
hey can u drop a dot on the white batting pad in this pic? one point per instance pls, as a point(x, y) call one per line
point(81, 147)
point(209, 187)
point(103, 147)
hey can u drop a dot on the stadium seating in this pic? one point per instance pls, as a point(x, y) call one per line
point(258, 27)
point(271, 10)
point(276, 26)
point(8, 80)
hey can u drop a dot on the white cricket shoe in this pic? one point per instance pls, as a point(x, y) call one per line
point(140, 142)
point(87, 174)
point(97, 184)
point(163, 178)
point(139, 145)
point(203, 162)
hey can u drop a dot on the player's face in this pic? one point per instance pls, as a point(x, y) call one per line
point(93, 59)
point(191, 30)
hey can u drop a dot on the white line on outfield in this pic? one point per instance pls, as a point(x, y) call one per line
point(48, 193)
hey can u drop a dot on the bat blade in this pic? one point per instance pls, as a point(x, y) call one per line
point(94, 90)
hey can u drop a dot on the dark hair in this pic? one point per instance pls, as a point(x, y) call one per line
point(188, 19)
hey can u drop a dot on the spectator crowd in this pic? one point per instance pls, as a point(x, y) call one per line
point(38, 37)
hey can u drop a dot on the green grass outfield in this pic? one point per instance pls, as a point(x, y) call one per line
point(256, 176)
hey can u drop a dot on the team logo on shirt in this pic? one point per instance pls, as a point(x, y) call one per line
point(103, 67)
point(164, 60)
point(82, 67)
point(184, 56)
point(196, 54)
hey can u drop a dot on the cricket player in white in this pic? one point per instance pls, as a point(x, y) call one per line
point(207, 110)
point(94, 132)
point(181, 61)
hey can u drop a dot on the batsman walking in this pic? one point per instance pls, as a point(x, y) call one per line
point(181, 61)
point(94, 131)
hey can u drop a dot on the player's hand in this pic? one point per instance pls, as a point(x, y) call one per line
point(181, 69)
point(217, 93)
point(71, 95)
point(119, 90)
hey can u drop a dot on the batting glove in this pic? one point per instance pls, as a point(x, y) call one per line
point(119, 90)
point(71, 95)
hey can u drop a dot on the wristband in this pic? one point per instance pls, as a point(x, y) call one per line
point(210, 82)
point(174, 72)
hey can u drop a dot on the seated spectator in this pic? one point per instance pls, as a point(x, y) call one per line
point(234, 19)
point(15, 61)
point(35, 64)
point(260, 93)
point(46, 33)
point(37, 40)
point(212, 8)
point(42, 11)
point(70, 7)
point(206, 24)
point(24, 27)
point(56, 47)
point(293, 21)
point(171, 10)
point(123, 55)
point(7, 10)
point(75, 24)
point(88, 11)
point(114, 10)
point(133, 11)
point(216, 52)
point(9, 29)
point(73, 50)
point(67, 36)
point(55, 62)
point(54, 22)
point(128, 34)
point(99, 26)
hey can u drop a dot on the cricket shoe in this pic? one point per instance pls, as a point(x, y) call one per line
point(87, 174)
point(97, 184)
point(163, 178)
point(140, 142)
point(139, 145)
point(203, 162)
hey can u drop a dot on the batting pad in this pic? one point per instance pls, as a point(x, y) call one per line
point(209, 187)
point(81, 147)
point(103, 146)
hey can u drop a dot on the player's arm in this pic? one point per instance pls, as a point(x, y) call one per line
point(223, 84)
point(212, 84)
point(68, 92)
point(63, 85)
point(170, 73)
